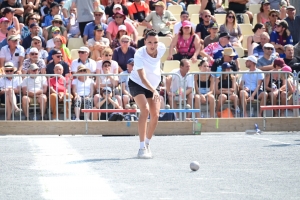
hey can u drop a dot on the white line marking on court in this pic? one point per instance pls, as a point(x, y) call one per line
point(274, 141)
point(61, 180)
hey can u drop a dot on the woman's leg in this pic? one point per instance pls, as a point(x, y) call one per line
point(211, 101)
point(154, 106)
point(8, 102)
point(197, 105)
point(273, 96)
point(88, 105)
point(221, 100)
point(53, 105)
point(77, 106)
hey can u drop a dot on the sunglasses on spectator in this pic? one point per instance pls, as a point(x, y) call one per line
point(9, 71)
point(56, 32)
point(34, 70)
point(108, 55)
point(37, 43)
point(274, 15)
point(106, 65)
point(206, 16)
point(81, 52)
point(125, 41)
point(33, 18)
point(230, 16)
point(269, 48)
point(98, 15)
point(106, 91)
point(59, 22)
point(58, 56)
point(34, 54)
point(84, 70)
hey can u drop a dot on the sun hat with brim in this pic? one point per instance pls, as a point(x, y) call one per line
point(106, 89)
point(57, 18)
point(7, 10)
point(228, 52)
point(85, 49)
point(37, 38)
point(273, 11)
point(33, 50)
point(9, 65)
point(186, 23)
point(278, 62)
point(160, 3)
point(118, 13)
point(33, 66)
point(252, 59)
point(55, 28)
point(4, 19)
point(268, 45)
point(283, 3)
point(13, 37)
point(82, 67)
point(98, 10)
point(290, 7)
point(286, 68)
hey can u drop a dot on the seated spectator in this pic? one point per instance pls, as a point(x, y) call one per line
point(251, 90)
point(30, 6)
point(56, 57)
point(34, 58)
point(106, 102)
point(265, 63)
point(213, 34)
point(10, 91)
point(214, 50)
point(109, 9)
point(37, 43)
point(152, 3)
point(83, 90)
point(275, 4)
point(187, 44)
point(161, 20)
point(12, 53)
point(254, 40)
point(259, 51)
point(107, 54)
point(232, 27)
point(228, 56)
point(209, 5)
point(175, 84)
point(34, 89)
point(123, 81)
point(297, 49)
point(291, 59)
point(226, 88)
point(116, 42)
point(177, 2)
point(286, 93)
point(73, 25)
point(122, 54)
point(239, 6)
point(271, 24)
point(293, 23)
point(50, 43)
point(138, 10)
point(44, 9)
point(90, 27)
point(98, 43)
point(184, 15)
point(9, 13)
point(60, 43)
point(113, 27)
point(204, 88)
point(57, 21)
point(202, 28)
point(281, 36)
point(34, 31)
point(59, 91)
point(263, 15)
point(54, 11)
point(11, 30)
point(84, 60)
point(3, 28)
point(118, 8)
point(31, 19)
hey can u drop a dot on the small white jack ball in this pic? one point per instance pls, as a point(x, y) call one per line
point(127, 106)
point(187, 106)
point(194, 165)
point(134, 106)
point(167, 106)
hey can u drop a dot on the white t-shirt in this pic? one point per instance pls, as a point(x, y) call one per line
point(251, 79)
point(90, 64)
point(178, 25)
point(113, 68)
point(13, 83)
point(180, 81)
point(151, 66)
point(50, 44)
point(104, 41)
point(83, 88)
point(34, 84)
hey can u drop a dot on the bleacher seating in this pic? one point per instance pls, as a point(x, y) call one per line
point(194, 9)
point(166, 40)
point(195, 18)
point(254, 8)
point(246, 29)
point(169, 65)
point(75, 43)
point(175, 9)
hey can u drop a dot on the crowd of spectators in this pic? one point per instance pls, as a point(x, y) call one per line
point(34, 37)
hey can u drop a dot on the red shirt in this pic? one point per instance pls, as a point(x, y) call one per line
point(59, 84)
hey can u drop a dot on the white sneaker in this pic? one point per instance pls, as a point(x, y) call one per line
point(77, 119)
point(149, 150)
point(143, 154)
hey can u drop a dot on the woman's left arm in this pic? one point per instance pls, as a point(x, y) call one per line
point(240, 35)
point(197, 48)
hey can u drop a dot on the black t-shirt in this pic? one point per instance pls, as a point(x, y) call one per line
point(237, 7)
point(293, 63)
point(16, 5)
point(211, 6)
point(109, 10)
point(50, 68)
point(218, 62)
point(26, 43)
point(141, 43)
point(203, 30)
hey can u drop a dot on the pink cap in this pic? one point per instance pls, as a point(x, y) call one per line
point(286, 68)
point(186, 24)
point(4, 19)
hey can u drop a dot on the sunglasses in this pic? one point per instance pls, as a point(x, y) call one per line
point(105, 91)
point(98, 15)
point(34, 54)
point(35, 70)
point(36, 43)
point(108, 55)
point(9, 71)
point(268, 48)
point(84, 70)
point(274, 15)
point(81, 52)
point(56, 32)
point(230, 16)
point(106, 65)
point(32, 18)
point(125, 41)
point(206, 16)
point(57, 22)
point(58, 56)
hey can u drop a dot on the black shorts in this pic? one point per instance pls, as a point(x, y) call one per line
point(2, 98)
point(160, 34)
point(136, 89)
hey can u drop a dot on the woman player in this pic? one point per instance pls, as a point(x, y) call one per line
point(143, 82)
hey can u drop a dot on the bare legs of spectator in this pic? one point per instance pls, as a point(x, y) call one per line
point(262, 97)
point(53, 105)
point(223, 97)
point(190, 102)
point(274, 100)
point(77, 105)
point(119, 99)
point(201, 99)
point(97, 98)
point(244, 96)
point(41, 100)
point(126, 100)
point(162, 102)
point(285, 99)
point(11, 103)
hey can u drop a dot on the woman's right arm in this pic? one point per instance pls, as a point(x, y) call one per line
point(172, 46)
point(259, 17)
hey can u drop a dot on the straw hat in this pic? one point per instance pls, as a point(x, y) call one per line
point(82, 67)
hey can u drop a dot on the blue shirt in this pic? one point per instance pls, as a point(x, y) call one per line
point(89, 29)
point(275, 37)
point(3, 43)
point(259, 52)
point(49, 18)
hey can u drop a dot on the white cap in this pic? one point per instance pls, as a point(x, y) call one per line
point(33, 50)
point(117, 6)
point(84, 49)
point(269, 45)
point(252, 59)
point(122, 27)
